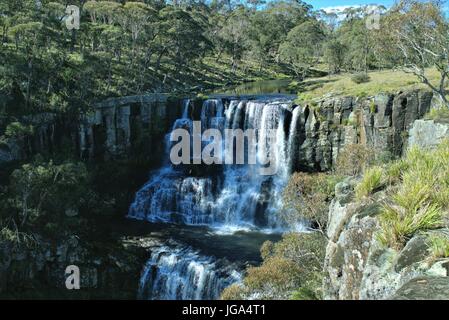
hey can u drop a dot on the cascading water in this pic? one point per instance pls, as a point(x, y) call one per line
point(227, 197)
point(181, 273)
point(234, 196)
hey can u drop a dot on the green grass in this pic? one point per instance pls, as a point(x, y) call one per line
point(440, 114)
point(388, 81)
point(419, 197)
point(371, 181)
point(439, 246)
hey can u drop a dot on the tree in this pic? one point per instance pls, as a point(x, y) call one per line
point(335, 53)
point(421, 33)
point(46, 188)
point(303, 47)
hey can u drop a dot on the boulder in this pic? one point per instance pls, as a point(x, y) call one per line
point(424, 288)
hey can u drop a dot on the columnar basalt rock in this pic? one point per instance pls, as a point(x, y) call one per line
point(323, 129)
point(380, 122)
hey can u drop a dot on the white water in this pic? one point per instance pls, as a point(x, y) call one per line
point(230, 197)
point(181, 273)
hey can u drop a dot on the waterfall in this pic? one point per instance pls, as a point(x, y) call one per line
point(227, 196)
point(180, 273)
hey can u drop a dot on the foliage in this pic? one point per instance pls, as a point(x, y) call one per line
point(438, 114)
point(439, 245)
point(18, 130)
point(420, 200)
point(306, 196)
point(45, 190)
point(302, 47)
point(419, 31)
point(295, 262)
point(360, 78)
point(353, 159)
point(371, 182)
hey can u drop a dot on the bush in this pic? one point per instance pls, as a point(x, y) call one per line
point(290, 266)
point(361, 77)
point(235, 291)
point(306, 196)
point(18, 130)
point(44, 189)
point(399, 224)
point(353, 159)
point(372, 181)
point(439, 246)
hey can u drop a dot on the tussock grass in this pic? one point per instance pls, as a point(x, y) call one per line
point(371, 181)
point(420, 199)
point(439, 246)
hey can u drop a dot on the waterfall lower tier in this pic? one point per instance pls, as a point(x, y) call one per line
point(180, 273)
point(233, 196)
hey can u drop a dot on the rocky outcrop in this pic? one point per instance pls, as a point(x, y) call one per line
point(380, 122)
point(114, 129)
point(427, 133)
point(357, 266)
point(119, 126)
point(39, 268)
point(424, 288)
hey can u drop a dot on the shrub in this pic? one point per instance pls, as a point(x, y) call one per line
point(372, 181)
point(439, 245)
point(17, 238)
point(360, 77)
point(353, 159)
point(18, 130)
point(291, 268)
point(274, 279)
point(306, 196)
point(235, 291)
point(394, 171)
point(398, 224)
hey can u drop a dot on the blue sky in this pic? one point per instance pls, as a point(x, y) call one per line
point(318, 4)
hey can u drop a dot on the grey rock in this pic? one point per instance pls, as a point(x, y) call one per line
point(424, 288)
point(414, 251)
point(427, 133)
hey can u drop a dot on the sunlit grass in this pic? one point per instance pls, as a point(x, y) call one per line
point(388, 81)
point(439, 246)
point(419, 200)
point(371, 181)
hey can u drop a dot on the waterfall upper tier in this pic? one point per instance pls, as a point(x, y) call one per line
point(230, 196)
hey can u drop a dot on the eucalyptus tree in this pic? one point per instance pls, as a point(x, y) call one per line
point(303, 47)
point(420, 31)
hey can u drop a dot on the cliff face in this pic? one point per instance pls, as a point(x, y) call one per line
point(381, 123)
point(124, 127)
point(357, 266)
point(116, 128)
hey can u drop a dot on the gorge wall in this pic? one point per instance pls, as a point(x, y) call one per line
point(316, 133)
point(358, 266)
point(118, 127)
